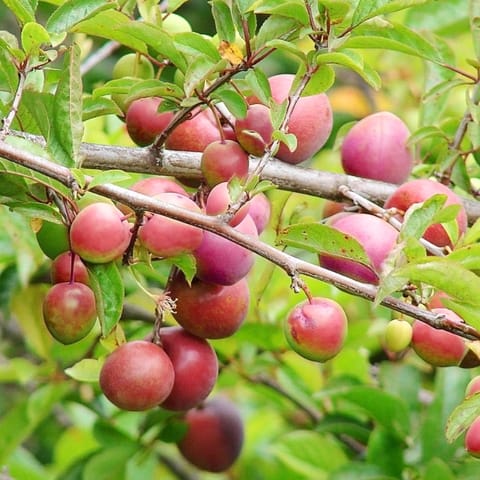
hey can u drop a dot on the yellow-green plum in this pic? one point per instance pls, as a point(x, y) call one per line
point(398, 335)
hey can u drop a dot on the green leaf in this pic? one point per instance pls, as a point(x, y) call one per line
point(33, 36)
point(424, 133)
point(22, 9)
point(187, 264)
point(235, 103)
point(156, 38)
point(194, 45)
point(173, 430)
point(106, 282)
point(222, 15)
point(86, 370)
point(108, 176)
point(354, 61)
point(473, 233)
point(274, 27)
point(287, 47)
point(320, 81)
point(386, 451)
point(73, 12)
point(154, 88)
point(474, 16)
point(337, 9)
point(110, 463)
point(295, 9)
point(367, 9)
point(198, 71)
point(319, 238)
point(258, 82)
point(8, 72)
point(67, 126)
point(393, 36)
point(112, 25)
point(289, 139)
point(96, 107)
point(448, 276)
point(420, 216)
point(437, 469)
point(34, 210)
point(309, 454)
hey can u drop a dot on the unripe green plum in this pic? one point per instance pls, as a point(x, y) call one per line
point(316, 329)
point(133, 65)
point(68, 267)
point(194, 134)
point(144, 122)
point(438, 347)
point(222, 160)
point(137, 376)
point(195, 365)
point(99, 233)
point(417, 191)
point(214, 437)
point(53, 239)
point(208, 310)
point(376, 148)
point(174, 23)
point(398, 335)
point(311, 120)
point(376, 236)
point(472, 438)
point(254, 132)
point(224, 262)
point(69, 311)
point(166, 237)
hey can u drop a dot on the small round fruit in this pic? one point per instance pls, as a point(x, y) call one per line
point(174, 23)
point(260, 210)
point(208, 310)
point(316, 329)
point(195, 365)
point(219, 200)
point(68, 267)
point(376, 148)
point(133, 65)
point(53, 239)
point(438, 347)
point(144, 122)
point(222, 160)
point(398, 335)
point(99, 233)
point(166, 237)
point(137, 376)
point(69, 311)
point(214, 437)
point(254, 132)
point(472, 438)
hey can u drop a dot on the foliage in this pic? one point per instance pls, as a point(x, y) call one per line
point(367, 413)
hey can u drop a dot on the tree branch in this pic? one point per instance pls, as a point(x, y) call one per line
point(290, 264)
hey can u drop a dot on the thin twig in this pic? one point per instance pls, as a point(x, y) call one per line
point(101, 54)
point(8, 120)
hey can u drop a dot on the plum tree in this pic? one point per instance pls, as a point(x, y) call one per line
point(417, 191)
point(68, 267)
point(214, 436)
point(195, 365)
point(136, 376)
point(209, 310)
point(69, 311)
point(376, 236)
point(376, 147)
point(144, 122)
point(221, 160)
point(316, 329)
point(99, 233)
point(165, 237)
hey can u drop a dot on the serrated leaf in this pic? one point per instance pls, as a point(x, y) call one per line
point(354, 61)
point(393, 36)
point(462, 417)
point(106, 282)
point(275, 26)
point(468, 256)
point(67, 127)
point(337, 9)
point(73, 12)
point(320, 238)
point(235, 103)
point(110, 24)
point(22, 9)
point(289, 139)
point(446, 275)
point(154, 88)
point(367, 9)
point(8, 72)
point(108, 176)
point(34, 210)
point(320, 81)
point(33, 36)
point(425, 133)
point(287, 47)
point(187, 264)
point(222, 16)
point(86, 370)
point(198, 71)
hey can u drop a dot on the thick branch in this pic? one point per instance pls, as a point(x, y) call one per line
point(292, 265)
